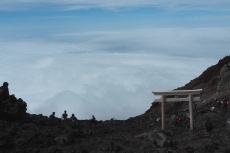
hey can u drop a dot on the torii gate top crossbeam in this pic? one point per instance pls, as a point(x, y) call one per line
point(179, 92)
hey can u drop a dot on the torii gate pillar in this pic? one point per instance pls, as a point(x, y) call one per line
point(163, 112)
point(191, 111)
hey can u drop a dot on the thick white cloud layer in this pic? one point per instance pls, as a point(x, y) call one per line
point(107, 74)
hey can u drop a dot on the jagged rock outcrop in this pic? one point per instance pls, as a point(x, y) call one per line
point(213, 81)
point(223, 87)
point(13, 108)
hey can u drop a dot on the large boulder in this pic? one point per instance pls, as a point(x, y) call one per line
point(13, 108)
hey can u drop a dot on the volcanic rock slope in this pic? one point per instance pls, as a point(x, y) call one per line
point(21, 132)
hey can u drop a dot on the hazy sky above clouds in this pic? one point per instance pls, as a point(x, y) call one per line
point(105, 58)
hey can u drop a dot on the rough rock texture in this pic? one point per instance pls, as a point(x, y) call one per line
point(21, 132)
point(213, 81)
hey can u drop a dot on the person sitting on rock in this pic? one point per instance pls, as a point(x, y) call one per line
point(22, 106)
point(93, 120)
point(64, 115)
point(73, 118)
point(4, 92)
point(225, 104)
point(52, 116)
point(208, 125)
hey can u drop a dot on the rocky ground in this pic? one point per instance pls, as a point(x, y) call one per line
point(39, 134)
point(21, 132)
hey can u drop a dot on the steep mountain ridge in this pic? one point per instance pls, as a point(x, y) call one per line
point(214, 81)
point(210, 79)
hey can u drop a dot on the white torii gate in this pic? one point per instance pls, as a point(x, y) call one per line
point(190, 98)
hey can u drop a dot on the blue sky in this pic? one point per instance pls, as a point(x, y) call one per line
point(105, 58)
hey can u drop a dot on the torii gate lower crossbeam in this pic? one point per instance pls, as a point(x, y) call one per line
point(190, 98)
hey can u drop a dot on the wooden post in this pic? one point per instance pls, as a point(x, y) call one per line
point(163, 113)
point(191, 111)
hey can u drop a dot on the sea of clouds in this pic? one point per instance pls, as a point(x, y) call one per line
point(109, 74)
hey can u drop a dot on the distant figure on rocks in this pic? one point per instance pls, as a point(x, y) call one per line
point(208, 125)
point(178, 121)
point(22, 106)
point(73, 118)
point(195, 106)
point(64, 115)
point(93, 120)
point(217, 102)
point(225, 104)
point(4, 92)
point(52, 116)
